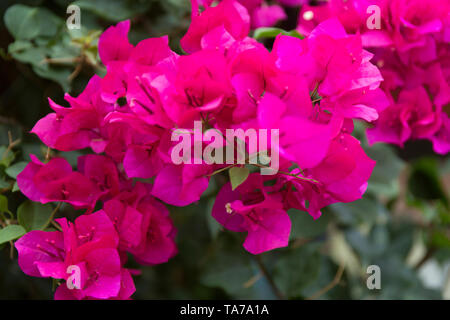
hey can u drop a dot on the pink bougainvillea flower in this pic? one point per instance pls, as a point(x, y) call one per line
point(341, 177)
point(55, 181)
point(143, 225)
point(441, 139)
point(90, 244)
point(345, 170)
point(77, 127)
point(113, 44)
point(127, 289)
point(102, 171)
point(410, 46)
point(181, 185)
point(413, 116)
point(158, 231)
point(200, 85)
point(40, 246)
point(345, 80)
point(267, 16)
point(126, 131)
point(68, 128)
point(249, 209)
point(228, 13)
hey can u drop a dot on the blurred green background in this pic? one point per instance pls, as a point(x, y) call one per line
point(402, 224)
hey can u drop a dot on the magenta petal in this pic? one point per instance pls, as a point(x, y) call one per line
point(97, 225)
point(267, 16)
point(56, 270)
point(47, 129)
point(180, 186)
point(25, 179)
point(270, 232)
point(308, 146)
point(64, 293)
point(151, 51)
point(130, 227)
point(40, 246)
point(441, 139)
point(230, 220)
point(127, 287)
point(106, 263)
point(113, 44)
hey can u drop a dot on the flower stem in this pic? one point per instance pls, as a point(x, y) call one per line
point(289, 174)
point(52, 215)
point(269, 278)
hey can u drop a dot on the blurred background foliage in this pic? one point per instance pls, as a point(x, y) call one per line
point(402, 224)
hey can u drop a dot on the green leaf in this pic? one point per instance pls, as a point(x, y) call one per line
point(42, 44)
point(58, 74)
point(424, 182)
point(15, 169)
point(266, 33)
point(213, 226)
point(3, 204)
point(384, 178)
point(27, 23)
point(33, 215)
point(4, 183)
point(273, 32)
point(232, 269)
point(296, 269)
point(11, 232)
point(371, 245)
point(237, 176)
point(304, 226)
point(6, 156)
point(362, 211)
point(26, 52)
point(15, 187)
point(440, 239)
point(342, 253)
point(117, 10)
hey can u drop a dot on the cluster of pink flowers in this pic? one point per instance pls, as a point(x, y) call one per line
point(261, 13)
point(89, 244)
point(310, 89)
point(412, 50)
point(131, 221)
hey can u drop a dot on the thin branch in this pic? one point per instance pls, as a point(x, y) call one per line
point(288, 174)
point(11, 250)
point(252, 280)
point(220, 170)
point(11, 145)
point(78, 68)
point(300, 242)
point(10, 121)
point(47, 154)
point(57, 227)
point(430, 252)
point(269, 278)
point(52, 215)
point(331, 285)
point(61, 60)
